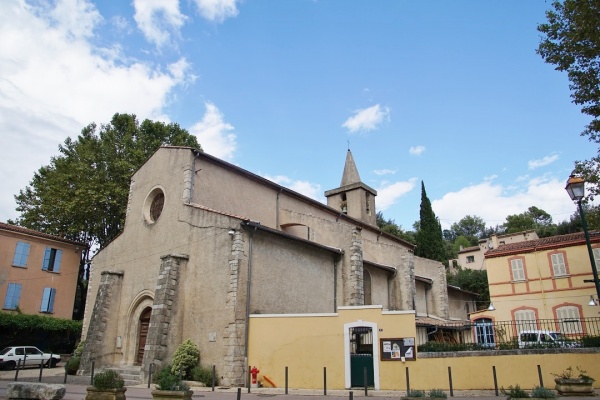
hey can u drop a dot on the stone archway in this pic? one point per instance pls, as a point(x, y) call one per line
point(144, 324)
point(142, 304)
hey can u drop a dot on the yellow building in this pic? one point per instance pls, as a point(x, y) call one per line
point(541, 284)
point(38, 272)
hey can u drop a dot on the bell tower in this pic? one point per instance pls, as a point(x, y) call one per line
point(353, 197)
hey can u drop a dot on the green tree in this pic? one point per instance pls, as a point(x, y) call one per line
point(470, 227)
point(430, 243)
point(475, 281)
point(532, 219)
point(82, 194)
point(571, 41)
point(390, 226)
point(461, 241)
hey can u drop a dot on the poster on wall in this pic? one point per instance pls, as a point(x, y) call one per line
point(402, 349)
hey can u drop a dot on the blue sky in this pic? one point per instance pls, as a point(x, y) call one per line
point(449, 93)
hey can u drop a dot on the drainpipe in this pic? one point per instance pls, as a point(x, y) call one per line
point(193, 177)
point(248, 286)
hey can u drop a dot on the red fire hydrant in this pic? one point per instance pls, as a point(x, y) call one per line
point(254, 372)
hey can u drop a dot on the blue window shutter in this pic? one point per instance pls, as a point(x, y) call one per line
point(57, 260)
point(45, 299)
point(51, 301)
point(21, 254)
point(46, 261)
point(13, 294)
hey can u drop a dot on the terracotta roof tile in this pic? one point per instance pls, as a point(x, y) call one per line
point(571, 239)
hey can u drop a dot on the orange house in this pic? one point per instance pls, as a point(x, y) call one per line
point(38, 272)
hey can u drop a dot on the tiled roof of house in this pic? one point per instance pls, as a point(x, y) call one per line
point(552, 242)
point(469, 249)
point(31, 232)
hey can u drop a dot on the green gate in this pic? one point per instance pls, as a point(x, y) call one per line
point(358, 363)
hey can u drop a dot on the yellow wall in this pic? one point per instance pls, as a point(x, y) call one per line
point(308, 343)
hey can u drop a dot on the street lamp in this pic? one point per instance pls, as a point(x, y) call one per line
point(576, 188)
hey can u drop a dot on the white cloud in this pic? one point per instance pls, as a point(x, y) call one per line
point(158, 20)
point(490, 177)
point(416, 150)
point(214, 134)
point(390, 193)
point(55, 81)
point(217, 10)
point(384, 171)
point(367, 119)
point(533, 164)
point(308, 189)
point(494, 202)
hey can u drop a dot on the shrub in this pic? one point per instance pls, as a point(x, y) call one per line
point(542, 393)
point(415, 393)
point(72, 366)
point(204, 375)
point(590, 341)
point(186, 357)
point(437, 394)
point(167, 380)
point(515, 392)
point(108, 379)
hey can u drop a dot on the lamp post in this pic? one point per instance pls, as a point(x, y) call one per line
point(576, 188)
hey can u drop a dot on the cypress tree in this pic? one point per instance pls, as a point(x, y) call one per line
point(430, 241)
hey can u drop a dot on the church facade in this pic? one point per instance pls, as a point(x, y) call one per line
point(207, 244)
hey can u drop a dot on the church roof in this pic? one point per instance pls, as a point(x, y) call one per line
point(350, 175)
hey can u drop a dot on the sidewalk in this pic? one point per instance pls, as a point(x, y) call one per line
point(76, 389)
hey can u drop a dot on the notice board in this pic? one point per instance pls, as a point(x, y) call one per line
point(398, 349)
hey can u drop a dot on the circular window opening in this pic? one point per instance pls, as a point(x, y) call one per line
point(153, 206)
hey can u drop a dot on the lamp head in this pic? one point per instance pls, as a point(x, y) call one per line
point(491, 307)
point(575, 187)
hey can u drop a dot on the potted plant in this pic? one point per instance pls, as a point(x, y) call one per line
point(107, 385)
point(169, 386)
point(571, 383)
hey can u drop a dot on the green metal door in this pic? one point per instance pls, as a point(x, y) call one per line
point(358, 363)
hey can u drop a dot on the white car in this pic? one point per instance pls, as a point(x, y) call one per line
point(29, 355)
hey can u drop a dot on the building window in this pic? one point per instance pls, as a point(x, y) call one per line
point(517, 269)
point(470, 259)
point(154, 205)
point(525, 320)
point(367, 287)
point(569, 319)
point(558, 264)
point(484, 332)
point(368, 203)
point(21, 254)
point(597, 256)
point(13, 293)
point(157, 206)
point(52, 259)
point(48, 300)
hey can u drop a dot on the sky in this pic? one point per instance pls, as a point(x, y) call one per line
point(451, 94)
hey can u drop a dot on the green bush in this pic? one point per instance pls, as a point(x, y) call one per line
point(542, 393)
point(415, 393)
point(590, 341)
point(437, 347)
point(72, 366)
point(204, 375)
point(437, 394)
point(167, 380)
point(108, 379)
point(186, 357)
point(515, 392)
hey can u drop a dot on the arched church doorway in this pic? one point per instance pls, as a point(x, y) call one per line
point(143, 334)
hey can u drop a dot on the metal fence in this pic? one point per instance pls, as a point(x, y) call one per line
point(487, 334)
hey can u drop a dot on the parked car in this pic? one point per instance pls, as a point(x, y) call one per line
point(542, 338)
point(29, 355)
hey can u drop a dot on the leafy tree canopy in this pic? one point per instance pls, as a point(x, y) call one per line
point(571, 42)
point(475, 281)
point(532, 219)
point(470, 227)
point(390, 226)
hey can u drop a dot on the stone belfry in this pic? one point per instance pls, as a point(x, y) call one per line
point(353, 197)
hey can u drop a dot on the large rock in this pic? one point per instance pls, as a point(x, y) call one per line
point(31, 390)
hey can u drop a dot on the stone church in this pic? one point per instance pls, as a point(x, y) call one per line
point(206, 244)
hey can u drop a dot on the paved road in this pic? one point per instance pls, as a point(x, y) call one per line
point(76, 386)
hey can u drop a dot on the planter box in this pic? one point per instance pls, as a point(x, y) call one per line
point(105, 394)
point(172, 394)
point(574, 387)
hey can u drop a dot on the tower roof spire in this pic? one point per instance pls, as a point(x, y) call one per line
point(350, 175)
